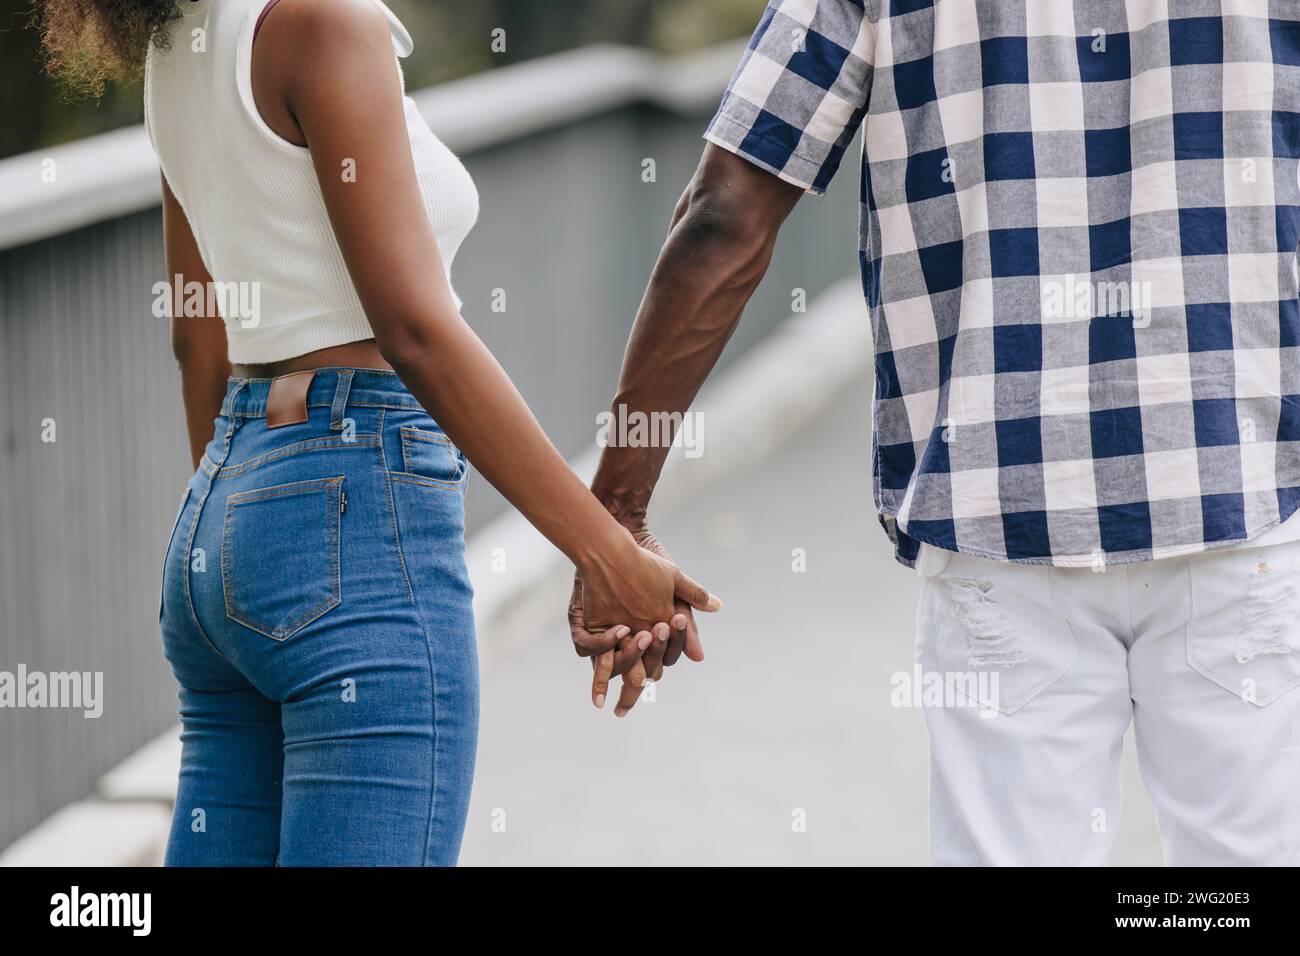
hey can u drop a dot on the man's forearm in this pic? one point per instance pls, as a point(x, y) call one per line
point(718, 250)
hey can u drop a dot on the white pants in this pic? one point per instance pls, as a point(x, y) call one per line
point(1042, 670)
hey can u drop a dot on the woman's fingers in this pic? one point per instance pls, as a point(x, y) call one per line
point(641, 657)
point(693, 594)
point(629, 650)
point(603, 665)
point(633, 682)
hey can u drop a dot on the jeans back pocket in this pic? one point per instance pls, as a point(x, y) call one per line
point(431, 456)
point(280, 555)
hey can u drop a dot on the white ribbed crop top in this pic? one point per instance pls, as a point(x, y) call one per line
point(252, 198)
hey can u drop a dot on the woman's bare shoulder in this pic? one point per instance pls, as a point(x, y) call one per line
point(308, 28)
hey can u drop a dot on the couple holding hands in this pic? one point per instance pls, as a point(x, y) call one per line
point(1088, 517)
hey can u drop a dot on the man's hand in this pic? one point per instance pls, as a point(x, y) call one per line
point(636, 657)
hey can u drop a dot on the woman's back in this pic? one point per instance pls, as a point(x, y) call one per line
point(253, 198)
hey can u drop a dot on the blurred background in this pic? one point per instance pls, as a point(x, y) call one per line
point(452, 42)
point(783, 747)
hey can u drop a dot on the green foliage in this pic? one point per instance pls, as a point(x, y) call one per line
point(453, 38)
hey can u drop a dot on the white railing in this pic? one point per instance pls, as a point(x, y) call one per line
point(116, 173)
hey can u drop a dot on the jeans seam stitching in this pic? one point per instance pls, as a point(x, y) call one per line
point(413, 479)
point(298, 448)
point(282, 491)
point(231, 427)
point(428, 647)
point(189, 550)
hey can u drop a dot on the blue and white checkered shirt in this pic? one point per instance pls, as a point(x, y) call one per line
point(1079, 250)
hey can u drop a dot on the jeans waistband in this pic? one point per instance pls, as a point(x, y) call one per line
point(246, 397)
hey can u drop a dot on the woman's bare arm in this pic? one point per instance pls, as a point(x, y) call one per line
point(198, 342)
point(339, 78)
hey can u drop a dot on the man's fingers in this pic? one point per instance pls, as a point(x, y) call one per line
point(653, 658)
point(693, 594)
point(624, 659)
point(633, 681)
point(694, 647)
point(685, 637)
point(590, 643)
point(604, 668)
point(676, 639)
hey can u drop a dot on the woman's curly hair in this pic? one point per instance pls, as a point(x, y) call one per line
point(90, 42)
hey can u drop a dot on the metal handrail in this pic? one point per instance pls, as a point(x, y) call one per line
point(52, 191)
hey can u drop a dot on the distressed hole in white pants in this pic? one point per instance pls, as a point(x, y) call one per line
point(991, 639)
point(1269, 613)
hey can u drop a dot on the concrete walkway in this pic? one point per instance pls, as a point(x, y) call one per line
point(788, 719)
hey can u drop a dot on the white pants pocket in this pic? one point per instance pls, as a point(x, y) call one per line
point(993, 630)
point(1244, 634)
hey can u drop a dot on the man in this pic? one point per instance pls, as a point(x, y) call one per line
point(1078, 248)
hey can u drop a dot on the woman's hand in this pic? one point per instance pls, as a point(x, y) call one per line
point(683, 635)
point(634, 680)
point(613, 653)
point(635, 588)
point(627, 584)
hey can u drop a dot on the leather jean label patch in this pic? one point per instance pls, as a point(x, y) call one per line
point(287, 402)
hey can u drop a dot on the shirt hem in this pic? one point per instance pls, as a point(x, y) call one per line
point(275, 343)
point(1115, 558)
point(735, 148)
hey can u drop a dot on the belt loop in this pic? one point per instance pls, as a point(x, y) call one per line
point(232, 420)
point(340, 400)
point(231, 413)
point(228, 405)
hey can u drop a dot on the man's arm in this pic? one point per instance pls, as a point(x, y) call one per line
point(718, 249)
point(794, 104)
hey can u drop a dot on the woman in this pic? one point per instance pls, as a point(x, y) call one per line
point(316, 608)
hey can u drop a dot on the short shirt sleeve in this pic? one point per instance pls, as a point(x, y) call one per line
point(800, 92)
